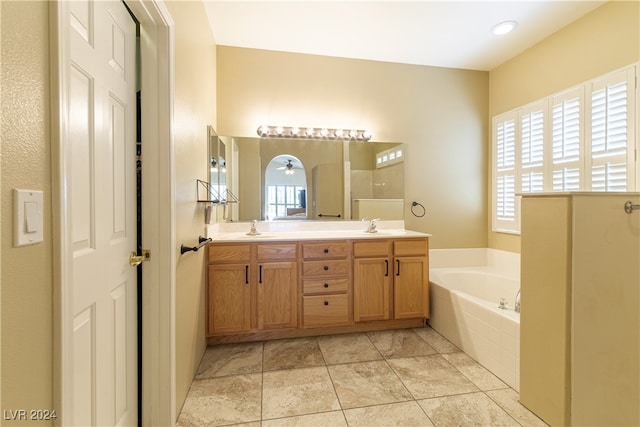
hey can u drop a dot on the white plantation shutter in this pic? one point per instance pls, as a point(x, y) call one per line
point(505, 173)
point(566, 133)
point(583, 139)
point(610, 162)
point(532, 150)
point(506, 197)
point(532, 182)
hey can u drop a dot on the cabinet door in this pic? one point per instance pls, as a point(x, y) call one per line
point(229, 298)
point(371, 289)
point(277, 296)
point(411, 287)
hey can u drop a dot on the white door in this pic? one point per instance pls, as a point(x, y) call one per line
point(101, 216)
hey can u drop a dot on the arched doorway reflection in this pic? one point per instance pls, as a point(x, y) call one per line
point(285, 189)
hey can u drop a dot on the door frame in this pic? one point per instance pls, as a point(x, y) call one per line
point(158, 215)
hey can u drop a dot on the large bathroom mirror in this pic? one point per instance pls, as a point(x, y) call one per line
point(327, 179)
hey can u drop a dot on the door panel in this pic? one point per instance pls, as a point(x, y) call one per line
point(277, 294)
point(101, 189)
point(411, 288)
point(371, 289)
point(229, 298)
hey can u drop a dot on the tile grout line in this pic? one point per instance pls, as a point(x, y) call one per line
point(326, 366)
point(262, 385)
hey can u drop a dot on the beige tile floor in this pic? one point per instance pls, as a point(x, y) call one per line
point(408, 377)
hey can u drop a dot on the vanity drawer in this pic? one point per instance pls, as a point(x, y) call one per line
point(229, 252)
point(410, 247)
point(371, 249)
point(326, 310)
point(269, 251)
point(315, 286)
point(315, 250)
point(325, 268)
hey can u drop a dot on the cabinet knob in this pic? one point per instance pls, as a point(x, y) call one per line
point(326, 285)
point(326, 268)
point(326, 251)
point(326, 303)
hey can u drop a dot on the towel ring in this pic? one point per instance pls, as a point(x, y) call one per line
point(413, 210)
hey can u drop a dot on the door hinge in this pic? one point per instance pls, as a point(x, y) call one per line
point(135, 259)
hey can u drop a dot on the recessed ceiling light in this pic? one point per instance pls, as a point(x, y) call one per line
point(504, 28)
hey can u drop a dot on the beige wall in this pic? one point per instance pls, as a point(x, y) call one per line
point(194, 109)
point(602, 41)
point(26, 287)
point(27, 304)
point(441, 115)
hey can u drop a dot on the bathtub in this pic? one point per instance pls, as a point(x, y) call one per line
point(466, 288)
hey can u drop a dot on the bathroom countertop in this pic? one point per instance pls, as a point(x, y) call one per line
point(309, 230)
point(314, 235)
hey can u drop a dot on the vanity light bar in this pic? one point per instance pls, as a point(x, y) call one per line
point(313, 133)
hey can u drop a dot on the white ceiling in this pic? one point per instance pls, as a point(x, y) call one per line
point(442, 33)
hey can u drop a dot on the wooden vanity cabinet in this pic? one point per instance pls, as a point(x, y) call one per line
point(325, 283)
point(410, 278)
point(283, 289)
point(259, 293)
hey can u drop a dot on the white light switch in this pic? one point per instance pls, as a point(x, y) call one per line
point(28, 217)
point(31, 218)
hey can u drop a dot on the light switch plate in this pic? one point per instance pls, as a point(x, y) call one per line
point(28, 219)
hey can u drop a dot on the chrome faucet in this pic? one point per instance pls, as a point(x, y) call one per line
point(253, 231)
point(517, 306)
point(372, 226)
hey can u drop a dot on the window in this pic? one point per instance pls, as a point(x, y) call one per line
point(281, 197)
point(579, 140)
point(566, 136)
point(532, 150)
point(505, 173)
point(611, 155)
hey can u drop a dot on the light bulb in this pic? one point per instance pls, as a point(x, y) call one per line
point(324, 132)
point(279, 130)
point(504, 28)
point(263, 130)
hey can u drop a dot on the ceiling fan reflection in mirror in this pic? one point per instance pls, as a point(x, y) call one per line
point(289, 167)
